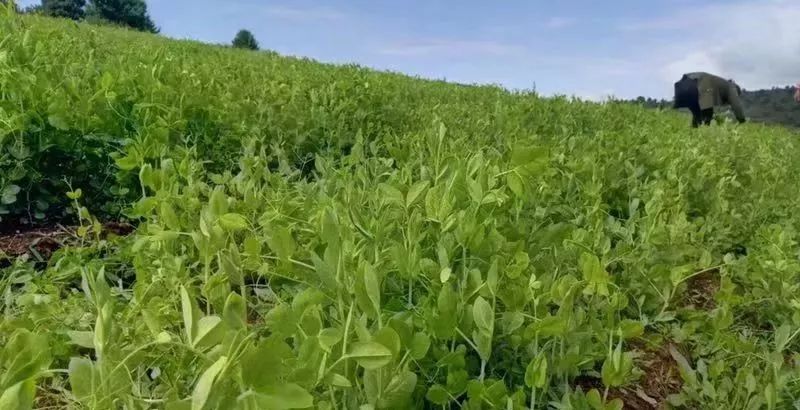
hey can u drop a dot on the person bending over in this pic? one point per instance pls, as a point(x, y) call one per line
point(700, 92)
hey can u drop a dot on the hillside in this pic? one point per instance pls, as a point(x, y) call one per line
point(314, 236)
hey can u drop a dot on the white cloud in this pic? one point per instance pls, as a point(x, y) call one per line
point(559, 22)
point(446, 47)
point(757, 42)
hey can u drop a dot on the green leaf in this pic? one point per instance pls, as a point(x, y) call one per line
point(415, 192)
point(285, 396)
point(594, 274)
point(420, 345)
point(536, 373)
point(233, 222)
point(328, 338)
point(782, 335)
point(399, 390)
point(19, 396)
point(81, 378)
point(58, 121)
point(594, 400)
point(511, 321)
point(202, 390)
point(218, 202)
point(24, 357)
point(76, 194)
point(9, 194)
point(163, 337)
point(234, 312)
point(372, 287)
point(631, 328)
point(389, 338)
point(210, 330)
point(444, 275)
point(438, 395)
point(189, 314)
point(170, 218)
point(516, 184)
point(616, 404)
point(530, 159)
point(82, 339)
point(282, 243)
point(338, 380)
point(370, 355)
point(483, 315)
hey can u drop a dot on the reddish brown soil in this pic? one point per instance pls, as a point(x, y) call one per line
point(701, 290)
point(659, 380)
point(41, 242)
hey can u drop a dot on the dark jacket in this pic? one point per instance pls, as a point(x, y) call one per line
point(714, 90)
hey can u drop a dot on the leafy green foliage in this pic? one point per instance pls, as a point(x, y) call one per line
point(129, 13)
point(377, 241)
point(245, 39)
point(71, 9)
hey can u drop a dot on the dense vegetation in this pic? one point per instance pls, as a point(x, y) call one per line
point(332, 237)
point(124, 13)
point(773, 106)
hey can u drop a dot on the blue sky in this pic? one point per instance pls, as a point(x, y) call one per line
point(576, 47)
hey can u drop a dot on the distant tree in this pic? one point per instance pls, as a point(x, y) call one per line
point(71, 9)
point(245, 39)
point(130, 13)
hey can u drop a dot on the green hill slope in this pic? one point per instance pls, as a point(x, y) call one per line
point(333, 237)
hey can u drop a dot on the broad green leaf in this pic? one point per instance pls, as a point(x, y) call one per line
point(399, 390)
point(218, 202)
point(616, 404)
point(189, 314)
point(24, 356)
point(389, 338)
point(170, 218)
point(210, 330)
point(782, 335)
point(282, 243)
point(82, 339)
point(420, 345)
point(536, 373)
point(329, 337)
point(285, 396)
point(511, 321)
point(373, 287)
point(515, 183)
point(9, 194)
point(338, 380)
point(82, 378)
point(414, 192)
point(594, 400)
point(234, 312)
point(202, 390)
point(438, 395)
point(19, 396)
point(594, 274)
point(444, 275)
point(233, 222)
point(370, 355)
point(483, 315)
point(272, 353)
point(631, 328)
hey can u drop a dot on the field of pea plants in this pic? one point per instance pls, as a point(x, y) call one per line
point(189, 226)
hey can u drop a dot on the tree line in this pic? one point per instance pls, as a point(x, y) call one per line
point(128, 13)
point(774, 106)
